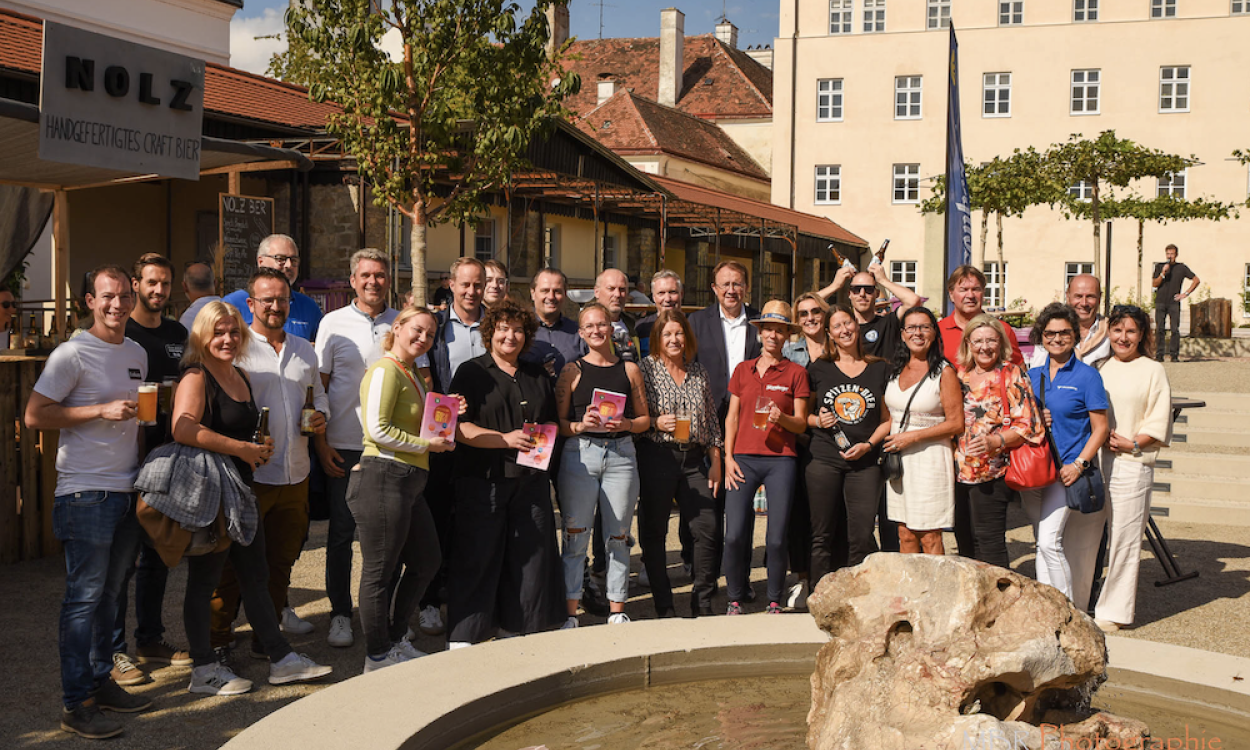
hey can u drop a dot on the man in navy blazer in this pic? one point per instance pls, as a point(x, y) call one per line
point(717, 325)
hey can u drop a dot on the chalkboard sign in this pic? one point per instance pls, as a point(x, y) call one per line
point(244, 221)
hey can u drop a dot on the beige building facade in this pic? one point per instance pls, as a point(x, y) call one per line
point(860, 122)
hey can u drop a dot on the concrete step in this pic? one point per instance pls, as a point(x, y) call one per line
point(1202, 438)
point(1199, 510)
point(1209, 419)
point(1217, 402)
point(1204, 487)
point(1172, 463)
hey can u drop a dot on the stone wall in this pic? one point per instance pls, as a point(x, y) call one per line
point(334, 232)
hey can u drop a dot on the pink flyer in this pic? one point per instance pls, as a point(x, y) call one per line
point(539, 457)
point(611, 404)
point(440, 416)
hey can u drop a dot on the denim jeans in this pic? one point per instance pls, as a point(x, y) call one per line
point(100, 534)
point(150, 576)
point(598, 473)
point(339, 539)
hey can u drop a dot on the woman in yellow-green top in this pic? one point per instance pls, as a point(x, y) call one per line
point(386, 491)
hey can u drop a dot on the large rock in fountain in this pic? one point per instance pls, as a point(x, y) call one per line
point(944, 653)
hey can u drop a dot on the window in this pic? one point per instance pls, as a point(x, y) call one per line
point(903, 273)
point(551, 246)
point(1241, 7)
point(907, 91)
point(1081, 191)
point(1085, 10)
point(829, 100)
point(1174, 89)
point(1163, 8)
point(1011, 13)
point(484, 240)
point(840, 16)
point(1173, 185)
point(939, 14)
point(996, 95)
point(906, 183)
point(1085, 85)
point(995, 284)
point(1072, 270)
point(609, 251)
point(1245, 294)
point(829, 184)
point(874, 16)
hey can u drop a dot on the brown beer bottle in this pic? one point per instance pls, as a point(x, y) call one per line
point(33, 335)
point(262, 426)
point(306, 414)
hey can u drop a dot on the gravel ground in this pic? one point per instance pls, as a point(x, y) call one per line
point(1209, 376)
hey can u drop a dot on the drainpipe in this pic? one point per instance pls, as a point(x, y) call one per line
point(794, 92)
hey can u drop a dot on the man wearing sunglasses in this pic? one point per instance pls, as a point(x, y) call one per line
point(8, 307)
point(279, 251)
point(881, 333)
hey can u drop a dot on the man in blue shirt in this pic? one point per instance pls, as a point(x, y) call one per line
point(279, 251)
point(557, 341)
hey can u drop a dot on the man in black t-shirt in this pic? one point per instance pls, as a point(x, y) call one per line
point(163, 339)
point(882, 334)
point(1167, 281)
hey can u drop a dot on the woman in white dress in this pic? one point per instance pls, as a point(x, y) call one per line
point(922, 501)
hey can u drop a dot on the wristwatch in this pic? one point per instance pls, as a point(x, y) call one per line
point(1081, 463)
point(1136, 450)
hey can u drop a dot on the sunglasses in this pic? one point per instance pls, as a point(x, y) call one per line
point(8, 304)
point(864, 289)
point(1119, 310)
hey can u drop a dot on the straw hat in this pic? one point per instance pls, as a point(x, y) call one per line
point(776, 311)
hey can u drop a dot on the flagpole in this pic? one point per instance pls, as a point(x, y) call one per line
point(946, 212)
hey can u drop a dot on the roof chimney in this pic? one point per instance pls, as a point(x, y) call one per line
point(557, 27)
point(727, 33)
point(672, 44)
point(763, 55)
point(607, 88)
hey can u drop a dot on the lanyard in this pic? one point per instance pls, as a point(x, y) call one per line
point(402, 366)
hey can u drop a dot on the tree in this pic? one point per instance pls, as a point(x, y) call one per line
point(448, 121)
point(1105, 162)
point(1163, 209)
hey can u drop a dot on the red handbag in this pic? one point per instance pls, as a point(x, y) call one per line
point(1030, 467)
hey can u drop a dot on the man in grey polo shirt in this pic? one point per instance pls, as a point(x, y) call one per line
point(348, 341)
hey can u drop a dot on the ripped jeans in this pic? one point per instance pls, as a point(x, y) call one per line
point(602, 472)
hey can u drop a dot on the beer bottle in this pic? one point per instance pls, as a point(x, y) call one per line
point(33, 335)
point(306, 414)
point(880, 255)
point(6, 337)
point(53, 337)
point(262, 426)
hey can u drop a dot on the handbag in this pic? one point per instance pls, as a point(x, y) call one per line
point(1087, 493)
point(1030, 467)
point(892, 462)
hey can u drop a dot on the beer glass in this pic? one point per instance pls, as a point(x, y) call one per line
point(167, 395)
point(763, 405)
point(147, 403)
point(681, 433)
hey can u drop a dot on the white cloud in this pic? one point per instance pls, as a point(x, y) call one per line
point(249, 53)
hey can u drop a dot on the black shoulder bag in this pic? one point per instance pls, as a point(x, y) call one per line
point(892, 462)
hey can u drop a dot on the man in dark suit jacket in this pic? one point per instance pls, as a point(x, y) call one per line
point(730, 315)
point(666, 293)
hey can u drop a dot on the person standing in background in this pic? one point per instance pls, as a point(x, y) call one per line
point(8, 308)
point(200, 287)
point(556, 342)
point(1167, 280)
point(666, 293)
point(163, 339)
point(280, 252)
point(442, 295)
point(966, 290)
point(1084, 295)
point(350, 340)
point(496, 287)
point(612, 291)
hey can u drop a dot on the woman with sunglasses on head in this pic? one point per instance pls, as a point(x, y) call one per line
point(999, 414)
point(1067, 540)
point(1140, 419)
point(926, 408)
point(849, 421)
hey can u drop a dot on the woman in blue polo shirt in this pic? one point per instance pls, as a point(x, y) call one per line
point(1067, 540)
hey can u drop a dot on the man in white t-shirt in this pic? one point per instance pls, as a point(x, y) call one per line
point(348, 341)
point(89, 390)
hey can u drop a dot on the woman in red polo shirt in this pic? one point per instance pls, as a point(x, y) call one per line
point(767, 408)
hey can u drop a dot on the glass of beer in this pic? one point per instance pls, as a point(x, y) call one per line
point(167, 395)
point(681, 433)
point(763, 405)
point(147, 403)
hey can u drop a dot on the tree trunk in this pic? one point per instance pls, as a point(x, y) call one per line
point(417, 254)
point(1002, 264)
point(1095, 205)
point(1141, 228)
point(985, 230)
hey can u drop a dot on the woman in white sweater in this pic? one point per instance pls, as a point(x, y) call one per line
point(1140, 417)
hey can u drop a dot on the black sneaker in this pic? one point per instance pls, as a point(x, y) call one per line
point(86, 720)
point(258, 651)
point(222, 655)
point(113, 697)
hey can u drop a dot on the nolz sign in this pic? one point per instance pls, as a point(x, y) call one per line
point(105, 102)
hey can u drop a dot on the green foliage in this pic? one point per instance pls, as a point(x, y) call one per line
point(450, 120)
point(16, 279)
point(1145, 301)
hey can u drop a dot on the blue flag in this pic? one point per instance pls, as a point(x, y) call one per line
point(958, 213)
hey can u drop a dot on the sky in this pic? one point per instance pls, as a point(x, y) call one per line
point(756, 22)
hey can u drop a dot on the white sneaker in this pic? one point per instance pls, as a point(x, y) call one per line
point(570, 623)
point(453, 645)
point(340, 632)
point(410, 634)
point(407, 649)
point(217, 679)
point(643, 578)
point(293, 623)
point(296, 668)
point(431, 621)
point(618, 618)
point(393, 657)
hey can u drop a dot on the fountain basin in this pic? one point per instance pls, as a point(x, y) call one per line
point(447, 698)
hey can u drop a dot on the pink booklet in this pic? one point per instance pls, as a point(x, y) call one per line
point(539, 457)
point(440, 416)
point(611, 405)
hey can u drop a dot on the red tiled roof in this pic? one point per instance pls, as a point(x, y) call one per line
point(227, 91)
point(817, 226)
point(718, 81)
point(629, 124)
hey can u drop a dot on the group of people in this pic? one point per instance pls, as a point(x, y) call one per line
point(819, 404)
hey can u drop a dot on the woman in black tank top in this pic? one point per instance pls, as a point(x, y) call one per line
point(598, 466)
point(214, 410)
